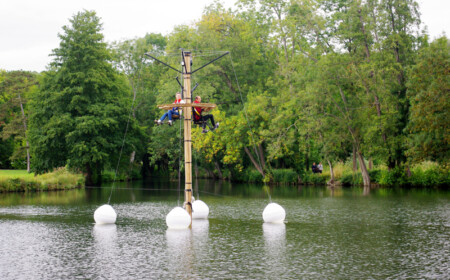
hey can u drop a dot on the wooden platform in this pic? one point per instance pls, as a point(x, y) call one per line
point(208, 106)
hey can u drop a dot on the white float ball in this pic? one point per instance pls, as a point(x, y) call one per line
point(178, 218)
point(199, 210)
point(105, 214)
point(274, 213)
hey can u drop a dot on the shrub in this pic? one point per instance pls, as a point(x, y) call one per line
point(284, 176)
point(58, 179)
point(253, 176)
point(351, 179)
point(428, 174)
point(393, 177)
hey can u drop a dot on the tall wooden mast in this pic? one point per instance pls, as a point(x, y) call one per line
point(187, 132)
point(187, 94)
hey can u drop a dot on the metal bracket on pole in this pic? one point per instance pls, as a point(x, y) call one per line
point(154, 58)
point(181, 86)
point(182, 62)
point(210, 62)
point(196, 85)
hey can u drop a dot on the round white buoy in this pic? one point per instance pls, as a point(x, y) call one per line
point(199, 210)
point(274, 213)
point(178, 218)
point(105, 214)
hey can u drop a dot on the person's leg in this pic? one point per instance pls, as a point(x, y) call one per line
point(170, 112)
point(164, 116)
point(203, 120)
point(209, 117)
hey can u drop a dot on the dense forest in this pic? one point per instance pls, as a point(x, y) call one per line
point(341, 82)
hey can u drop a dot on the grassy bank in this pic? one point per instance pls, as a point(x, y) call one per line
point(20, 180)
point(426, 174)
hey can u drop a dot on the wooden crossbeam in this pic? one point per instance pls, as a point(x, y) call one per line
point(201, 105)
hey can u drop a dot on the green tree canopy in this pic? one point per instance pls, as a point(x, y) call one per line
point(429, 94)
point(80, 114)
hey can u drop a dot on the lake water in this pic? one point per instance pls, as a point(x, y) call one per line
point(348, 233)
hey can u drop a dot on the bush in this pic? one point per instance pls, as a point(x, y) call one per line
point(253, 176)
point(61, 178)
point(426, 175)
point(393, 177)
point(351, 179)
point(284, 176)
point(314, 179)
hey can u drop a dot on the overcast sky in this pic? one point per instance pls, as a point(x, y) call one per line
point(29, 28)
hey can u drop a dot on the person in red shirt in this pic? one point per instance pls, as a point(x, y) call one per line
point(199, 117)
point(173, 111)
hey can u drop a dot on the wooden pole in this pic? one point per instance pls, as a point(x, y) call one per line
point(187, 134)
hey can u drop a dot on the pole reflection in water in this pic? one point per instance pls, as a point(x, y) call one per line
point(200, 230)
point(105, 249)
point(179, 252)
point(275, 247)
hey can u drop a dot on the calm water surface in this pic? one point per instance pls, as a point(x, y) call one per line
point(340, 234)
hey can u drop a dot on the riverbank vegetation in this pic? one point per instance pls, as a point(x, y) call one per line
point(357, 86)
point(21, 180)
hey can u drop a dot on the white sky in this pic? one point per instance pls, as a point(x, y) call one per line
point(29, 28)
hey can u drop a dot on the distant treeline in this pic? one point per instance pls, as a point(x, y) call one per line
point(346, 83)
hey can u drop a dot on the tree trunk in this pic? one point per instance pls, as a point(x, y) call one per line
point(88, 178)
point(363, 30)
point(355, 164)
point(408, 171)
point(216, 164)
point(255, 163)
point(370, 164)
point(261, 156)
point(331, 182)
point(145, 171)
point(25, 129)
point(364, 172)
point(210, 173)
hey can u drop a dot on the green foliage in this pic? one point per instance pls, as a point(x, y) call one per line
point(285, 176)
point(16, 87)
point(81, 111)
point(304, 81)
point(428, 91)
point(429, 175)
point(310, 178)
point(60, 179)
point(393, 177)
point(351, 179)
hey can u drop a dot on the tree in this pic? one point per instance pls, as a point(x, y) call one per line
point(16, 87)
point(144, 77)
point(429, 94)
point(80, 113)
